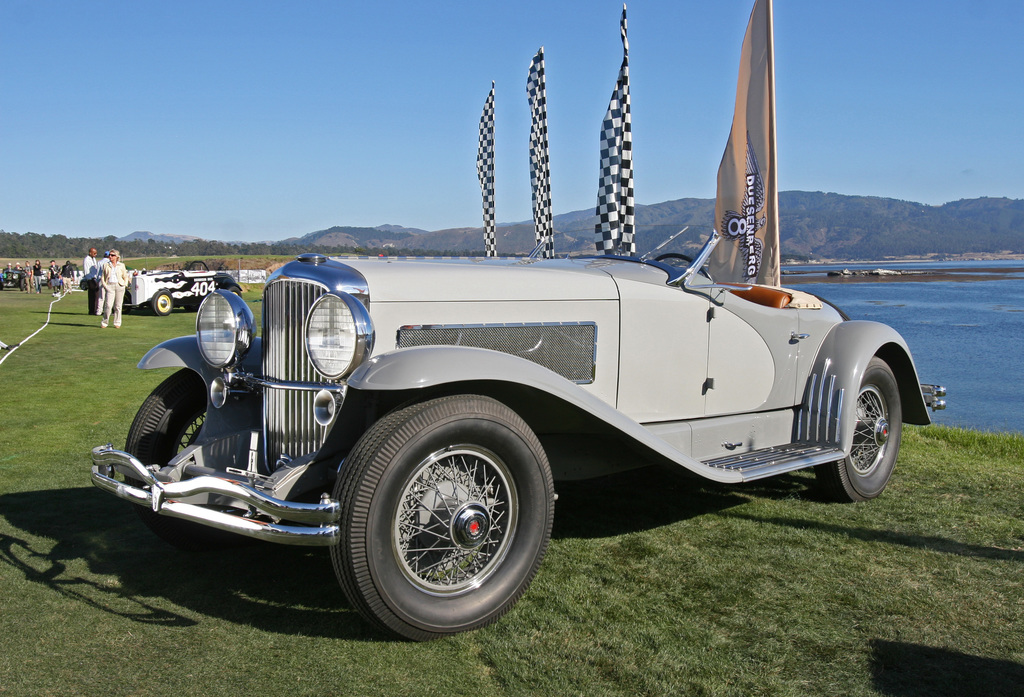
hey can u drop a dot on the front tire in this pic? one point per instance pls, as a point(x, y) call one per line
point(169, 420)
point(447, 508)
point(878, 426)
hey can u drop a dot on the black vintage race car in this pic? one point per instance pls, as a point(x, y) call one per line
point(14, 278)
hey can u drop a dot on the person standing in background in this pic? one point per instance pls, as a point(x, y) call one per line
point(91, 270)
point(99, 279)
point(53, 278)
point(67, 276)
point(37, 276)
point(114, 279)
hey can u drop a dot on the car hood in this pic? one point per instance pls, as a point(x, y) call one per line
point(483, 279)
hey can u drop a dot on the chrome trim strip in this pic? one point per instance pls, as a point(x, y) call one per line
point(821, 399)
point(828, 409)
point(839, 414)
point(262, 383)
point(800, 434)
point(497, 324)
point(822, 408)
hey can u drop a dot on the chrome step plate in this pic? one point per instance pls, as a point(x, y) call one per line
point(768, 462)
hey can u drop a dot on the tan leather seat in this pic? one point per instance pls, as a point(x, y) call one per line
point(764, 295)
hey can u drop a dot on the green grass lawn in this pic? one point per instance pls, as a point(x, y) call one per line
point(654, 584)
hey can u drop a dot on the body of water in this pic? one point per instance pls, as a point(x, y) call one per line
point(964, 335)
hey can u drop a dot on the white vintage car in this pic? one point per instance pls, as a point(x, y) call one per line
point(414, 415)
point(162, 291)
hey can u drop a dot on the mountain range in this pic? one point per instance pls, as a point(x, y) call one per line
point(145, 236)
point(813, 225)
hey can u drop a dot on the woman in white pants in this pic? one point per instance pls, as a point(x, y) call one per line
point(114, 280)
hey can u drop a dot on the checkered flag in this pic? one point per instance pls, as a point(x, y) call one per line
point(615, 206)
point(540, 172)
point(485, 171)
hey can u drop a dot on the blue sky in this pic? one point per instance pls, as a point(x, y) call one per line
point(263, 120)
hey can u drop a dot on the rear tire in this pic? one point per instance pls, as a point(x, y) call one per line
point(447, 508)
point(877, 429)
point(170, 419)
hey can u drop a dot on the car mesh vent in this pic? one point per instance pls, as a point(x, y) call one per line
point(288, 424)
point(569, 349)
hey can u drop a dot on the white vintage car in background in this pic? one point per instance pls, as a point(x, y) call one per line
point(414, 415)
point(162, 291)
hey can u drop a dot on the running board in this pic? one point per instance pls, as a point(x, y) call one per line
point(768, 462)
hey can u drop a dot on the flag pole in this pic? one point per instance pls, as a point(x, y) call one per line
point(485, 172)
point(540, 167)
point(614, 231)
point(773, 276)
point(746, 205)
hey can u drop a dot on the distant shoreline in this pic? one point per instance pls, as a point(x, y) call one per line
point(930, 259)
point(957, 274)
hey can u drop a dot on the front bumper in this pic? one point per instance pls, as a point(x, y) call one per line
point(262, 521)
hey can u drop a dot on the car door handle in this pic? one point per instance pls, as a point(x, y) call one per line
point(794, 336)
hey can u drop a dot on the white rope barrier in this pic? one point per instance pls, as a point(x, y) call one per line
point(14, 347)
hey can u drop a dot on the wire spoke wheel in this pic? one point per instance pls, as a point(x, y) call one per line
point(168, 421)
point(871, 432)
point(455, 520)
point(446, 507)
point(190, 432)
point(876, 429)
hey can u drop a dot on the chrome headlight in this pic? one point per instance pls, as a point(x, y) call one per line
point(225, 328)
point(339, 334)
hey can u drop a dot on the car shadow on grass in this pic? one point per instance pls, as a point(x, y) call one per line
point(911, 670)
point(650, 497)
point(931, 543)
point(91, 548)
point(88, 325)
point(88, 547)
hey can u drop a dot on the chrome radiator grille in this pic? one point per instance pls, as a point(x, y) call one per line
point(567, 348)
point(288, 424)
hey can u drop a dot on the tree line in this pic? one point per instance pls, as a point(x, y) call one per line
point(32, 245)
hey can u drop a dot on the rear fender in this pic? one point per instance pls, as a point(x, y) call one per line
point(827, 413)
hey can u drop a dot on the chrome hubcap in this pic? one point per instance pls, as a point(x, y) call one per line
point(470, 526)
point(881, 432)
point(455, 520)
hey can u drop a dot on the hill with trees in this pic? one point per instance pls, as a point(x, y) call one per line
point(814, 225)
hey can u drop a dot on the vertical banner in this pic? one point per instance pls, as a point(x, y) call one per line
point(747, 205)
point(485, 172)
point(540, 172)
point(615, 208)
